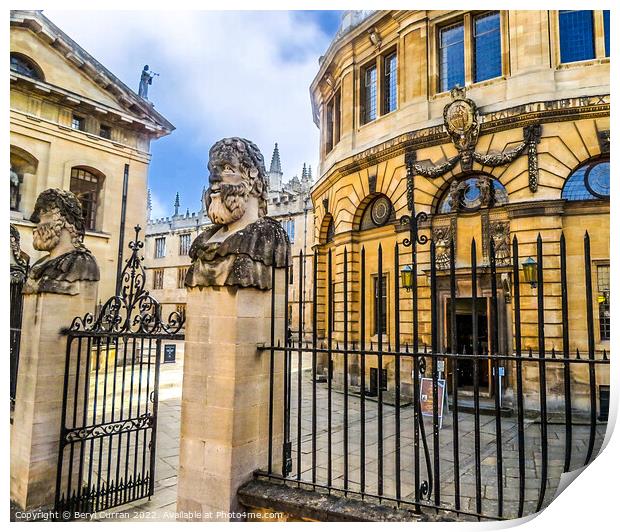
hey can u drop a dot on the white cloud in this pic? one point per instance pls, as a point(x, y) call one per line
point(221, 73)
point(158, 209)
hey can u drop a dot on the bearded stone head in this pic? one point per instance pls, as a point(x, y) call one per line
point(236, 173)
point(57, 213)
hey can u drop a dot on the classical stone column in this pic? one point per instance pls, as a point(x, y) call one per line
point(59, 287)
point(226, 381)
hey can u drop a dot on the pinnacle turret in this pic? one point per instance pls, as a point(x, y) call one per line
point(275, 170)
point(177, 204)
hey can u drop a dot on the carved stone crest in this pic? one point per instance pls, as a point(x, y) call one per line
point(499, 231)
point(461, 122)
point(443, 235)
point(244, 244)
point(60, 232)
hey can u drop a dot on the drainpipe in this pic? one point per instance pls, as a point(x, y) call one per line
point(121, 237)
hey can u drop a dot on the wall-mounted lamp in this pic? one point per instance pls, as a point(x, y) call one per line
point(406, 277)
point(530, 271)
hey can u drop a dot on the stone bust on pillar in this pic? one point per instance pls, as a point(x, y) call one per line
point(60, 232)
point(244, 243)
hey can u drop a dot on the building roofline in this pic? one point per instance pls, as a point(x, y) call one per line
point(44, 28)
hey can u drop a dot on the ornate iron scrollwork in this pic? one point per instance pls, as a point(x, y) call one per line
point(95, 431)
point(133, 310)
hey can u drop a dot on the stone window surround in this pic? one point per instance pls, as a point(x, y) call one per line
point(599, 40)
point(468, 22)
point(379, 63)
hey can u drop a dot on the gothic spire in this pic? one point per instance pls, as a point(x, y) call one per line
point(177, 204)
point(275, 170)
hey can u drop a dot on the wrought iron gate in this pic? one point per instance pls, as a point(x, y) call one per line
point(396, 442)
point(16, 308)
point(109, 417)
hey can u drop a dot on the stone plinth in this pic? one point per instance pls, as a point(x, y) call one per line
point(225, 404)
point(38, 404)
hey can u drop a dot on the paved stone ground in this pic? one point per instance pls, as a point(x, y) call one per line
point(466, 439)
point(161, 506)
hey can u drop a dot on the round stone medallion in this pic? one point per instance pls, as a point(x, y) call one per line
point(380, 211)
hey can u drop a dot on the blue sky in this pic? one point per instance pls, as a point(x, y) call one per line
point(222, 73)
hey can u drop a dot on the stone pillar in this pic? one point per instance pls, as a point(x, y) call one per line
point(36, 422)
point(225, 403)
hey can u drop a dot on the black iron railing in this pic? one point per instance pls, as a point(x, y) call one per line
point(108, 431)
point(16, 310)
point(518, 416)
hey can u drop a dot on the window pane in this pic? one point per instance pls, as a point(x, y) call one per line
point(575, 187)
point(184, 244)
point(77, 122)
point(487, 47)
point(160, 247)
point(451, 57)
point(370, 94)
point(606, 27)
point(576, 36)
point(390, 83)
point(329, 127)
point(105, 132)
point(22, 65)
point(85, 185)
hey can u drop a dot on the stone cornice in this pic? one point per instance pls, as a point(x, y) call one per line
point(513, 117)
point(51, 34)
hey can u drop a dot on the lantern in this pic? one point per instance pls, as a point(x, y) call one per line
point(530, 271)
point(406, 277)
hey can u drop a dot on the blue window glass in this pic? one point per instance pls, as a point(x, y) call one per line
point(469, 196)
point(487, 47)
point(390, 83)
point(588, 183)
point(451, 57)
point(370, 94)
point(606, 27)
point(576, 36)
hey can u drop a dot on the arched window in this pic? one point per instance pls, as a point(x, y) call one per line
point(471, 193)
point(588, 182)
point(16, 181)
point(22, 164)
point(86, 185)
point(377, 214)
point(26, 66)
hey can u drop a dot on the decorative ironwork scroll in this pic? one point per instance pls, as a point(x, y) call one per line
point(134, 310)
point(95, 431)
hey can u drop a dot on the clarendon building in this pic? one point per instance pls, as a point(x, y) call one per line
point(74, 125)
point(503, 120)
point(168, 239)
